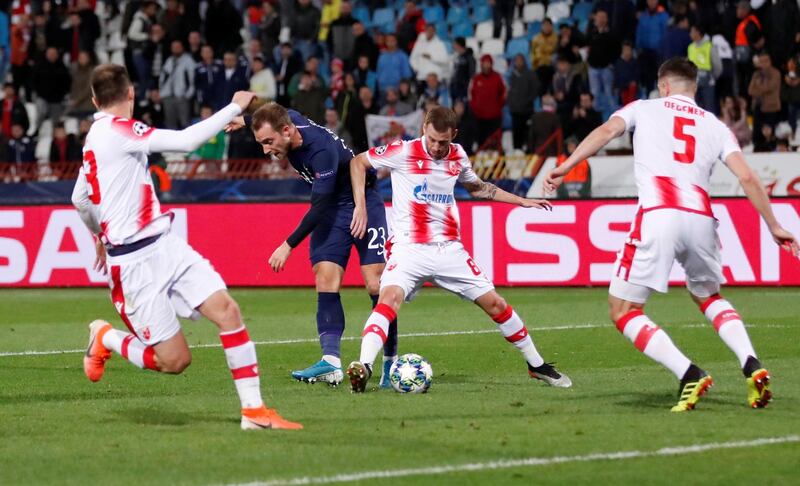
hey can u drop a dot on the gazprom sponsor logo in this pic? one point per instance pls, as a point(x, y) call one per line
point(421, 194)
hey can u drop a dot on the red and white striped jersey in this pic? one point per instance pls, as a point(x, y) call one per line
point(118, 182)
point(423, 204)
point(675, 147)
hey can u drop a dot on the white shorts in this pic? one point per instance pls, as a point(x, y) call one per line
point(656, 240)
point(447, 264)
point(153, 286)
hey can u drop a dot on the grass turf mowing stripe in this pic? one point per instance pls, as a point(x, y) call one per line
point(528, 462)
point(11, 354)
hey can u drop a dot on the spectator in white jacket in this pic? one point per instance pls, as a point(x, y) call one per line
point(262, 82)
point(429, 55)
point(176, 85)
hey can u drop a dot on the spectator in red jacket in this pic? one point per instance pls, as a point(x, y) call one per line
point(487, 96)
point(409, 26)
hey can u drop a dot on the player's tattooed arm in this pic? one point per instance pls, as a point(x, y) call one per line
point(482, 190)
point(487, 191)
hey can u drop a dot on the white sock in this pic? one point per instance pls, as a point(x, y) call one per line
point(390, 358)
point(515, 332)
point(374, 334)
point(332, 360)
point(729, 326)
point(240, 352)
point(653, 342)
point(129, 347)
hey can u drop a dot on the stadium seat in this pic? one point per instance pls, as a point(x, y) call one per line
point(362, 15)
point(485, 30)
point(443, 31)
point(474, 44)
point(433, 14)
point(500, 64)
point(534, 28)
point(533, 12)
point(557, 11)
point(517, 29)
point(482, 13)
point(493, 47)
point(463, 30)
point(457, 15)
point(581, 11)
point(518, 45)
point(383, 17)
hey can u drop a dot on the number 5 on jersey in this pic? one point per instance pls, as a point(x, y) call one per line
point(679, 132)
point(90, 168)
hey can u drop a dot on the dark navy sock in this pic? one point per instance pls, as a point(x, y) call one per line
point(330, 322)
point(390, 346)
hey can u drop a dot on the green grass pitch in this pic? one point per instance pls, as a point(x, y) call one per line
point(138, 427)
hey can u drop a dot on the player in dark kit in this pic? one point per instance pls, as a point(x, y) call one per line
point(323, 160)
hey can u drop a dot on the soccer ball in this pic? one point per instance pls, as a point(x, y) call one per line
point(411, 373)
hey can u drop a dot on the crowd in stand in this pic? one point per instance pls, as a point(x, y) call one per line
point(336, 62)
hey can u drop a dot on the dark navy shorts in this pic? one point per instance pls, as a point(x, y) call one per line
point(331, 240)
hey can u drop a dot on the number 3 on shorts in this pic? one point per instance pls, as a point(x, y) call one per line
point(374, 244)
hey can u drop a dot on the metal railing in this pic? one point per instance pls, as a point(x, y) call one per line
point(488, 164)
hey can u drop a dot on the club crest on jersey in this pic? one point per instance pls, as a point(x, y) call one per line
point(421, 194)
point(454, 167)
point(380, 150)
point(146, 333)
point(139, 128)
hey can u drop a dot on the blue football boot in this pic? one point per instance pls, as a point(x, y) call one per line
point(320, 371)
point(385, 381)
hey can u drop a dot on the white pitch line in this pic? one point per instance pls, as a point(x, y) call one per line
point(314, 340)
point(528, 462)
point(9, 354)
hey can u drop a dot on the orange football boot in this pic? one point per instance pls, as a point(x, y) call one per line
point(94, 362)
point(265, 418)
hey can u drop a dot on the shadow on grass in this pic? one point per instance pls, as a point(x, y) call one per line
point(73, 396)
point(167, 416)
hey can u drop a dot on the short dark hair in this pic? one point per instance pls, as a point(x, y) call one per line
point(110, 83)
point(460, 41)
point(679, 67)
point(442, 119)
point(272, 113)
point(547, 20)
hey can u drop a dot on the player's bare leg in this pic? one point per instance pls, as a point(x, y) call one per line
point(514, 331)
point(731, 330)
point(651, 340)
point(240, 353)
point(330, 326)
point(374, 336)
point(372, 282)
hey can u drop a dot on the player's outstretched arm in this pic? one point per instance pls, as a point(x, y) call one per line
point(358, 177)
point(600, 136)
point(486, 190)
point(755, 192)
point(192, 137)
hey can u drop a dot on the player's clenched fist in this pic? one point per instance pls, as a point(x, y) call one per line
point(243, 99)
point(553, 180)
